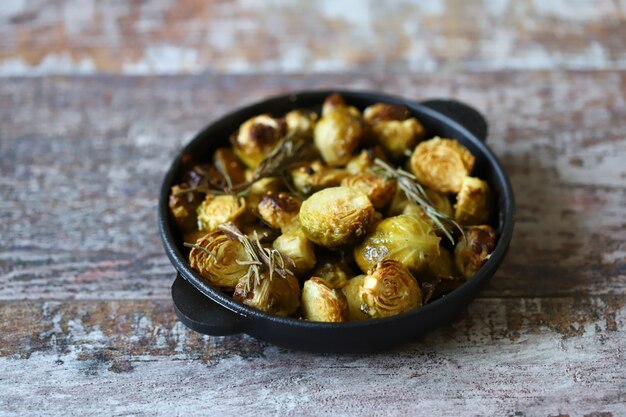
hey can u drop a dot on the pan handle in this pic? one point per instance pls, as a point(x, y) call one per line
point(465, 115)
point(202, 314)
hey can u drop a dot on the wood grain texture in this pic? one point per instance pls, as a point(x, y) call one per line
point(39, 37)
point(82, 160)
point(518, 357)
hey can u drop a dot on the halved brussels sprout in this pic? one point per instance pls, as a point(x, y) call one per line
point(410, 240)
point(335, 271)
point(470, 253)
point(227, 163)
point(337, 135)
point(294, 244)
point(389, 289)
point(257, 137)
point(360, 163)
point(279, 209)
point(183, 205)
point(316, 176)
point(221, 268)
point(352, 291)
point(441, 164)
point(320, 302)
point(216, 210)
point(379, 190)
point(336, 216)
point(301, 122)
point(473, 202)
point(279, 296)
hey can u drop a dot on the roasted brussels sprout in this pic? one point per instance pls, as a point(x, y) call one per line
point(183, 205)
point(337, 135)
point(332, 102)
point(294, 244)
point(441, 164)
point(399, 204)
point(473, 202)
point(227, 163)
point(384, 112)
point(438, 200)
point(220, 267)
point(389, 289)
point(279, 296)
point(216, 210)
point(360, 163)
point(260, 188)
point(256, 138)
point(390, 125)
point(352, 291)
point(471, 252)
point(396, 137)
point(301, 122)
point(316, 176)
point(335, 271)
point(410, 240)
point(279, 209)
point(336, 216)
point(379, 190)
point(321, 302)
point(202, 176)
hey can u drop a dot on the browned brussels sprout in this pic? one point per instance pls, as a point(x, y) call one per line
point(278, 295)
point(473, 202)
point(441, 164)
point(257, 137)
point(407, 239)
point(389, 289)
point(321, 302)
point(336, 216)
point(219, 267)
point(472, 251)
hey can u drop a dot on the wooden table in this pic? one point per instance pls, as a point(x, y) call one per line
point(95, 99)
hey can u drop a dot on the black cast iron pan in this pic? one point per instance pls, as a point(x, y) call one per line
point(210, 311)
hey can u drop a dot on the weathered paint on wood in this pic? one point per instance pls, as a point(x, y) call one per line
point(172, 36)
point(508, 356)
point(82, 161)
point(86, 325)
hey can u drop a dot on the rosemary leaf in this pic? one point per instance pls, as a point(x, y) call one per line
point(416, 193)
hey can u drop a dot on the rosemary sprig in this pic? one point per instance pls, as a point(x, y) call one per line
point(416, 193)
point(260, 258)
point(288, 151)
point(202, 248)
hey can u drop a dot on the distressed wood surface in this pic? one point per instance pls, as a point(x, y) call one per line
point(172, 36)
point(523, 356)
point(86, 323)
